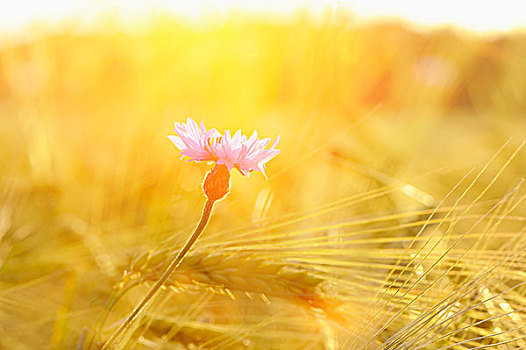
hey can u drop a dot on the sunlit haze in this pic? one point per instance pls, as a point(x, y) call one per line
point(385, 142)
point(473, 15)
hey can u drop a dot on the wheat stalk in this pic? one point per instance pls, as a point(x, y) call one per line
point(228, 273)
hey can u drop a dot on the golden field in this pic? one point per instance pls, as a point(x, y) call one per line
point(394, 217)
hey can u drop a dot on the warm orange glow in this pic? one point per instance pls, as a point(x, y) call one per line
point(394, 213)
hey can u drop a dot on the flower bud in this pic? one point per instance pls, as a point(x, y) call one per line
point(217, 182)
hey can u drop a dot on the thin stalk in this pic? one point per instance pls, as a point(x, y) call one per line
point(91, 337)
point(174, 264)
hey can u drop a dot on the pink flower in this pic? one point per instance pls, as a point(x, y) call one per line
point(244, 154)
point(237, 151)
point(194, 141)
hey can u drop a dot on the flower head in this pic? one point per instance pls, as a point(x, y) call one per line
point(233, 151)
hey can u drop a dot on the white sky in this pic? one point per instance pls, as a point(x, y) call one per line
point(479, 15)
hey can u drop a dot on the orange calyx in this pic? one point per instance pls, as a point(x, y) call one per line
point(217, 183)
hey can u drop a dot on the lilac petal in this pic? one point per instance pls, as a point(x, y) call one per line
point(177, 141)
point(275, 143)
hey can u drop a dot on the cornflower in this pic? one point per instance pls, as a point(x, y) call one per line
point(238, 151)
point(226, 152)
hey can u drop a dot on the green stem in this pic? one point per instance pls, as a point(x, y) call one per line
point(174, 264)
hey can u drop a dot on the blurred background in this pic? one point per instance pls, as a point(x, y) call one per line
point(363, 93)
